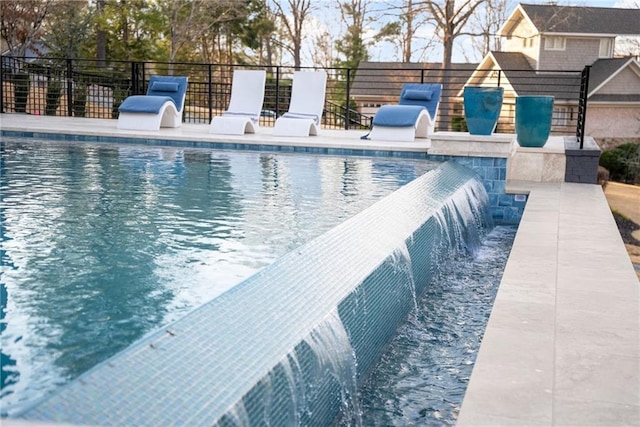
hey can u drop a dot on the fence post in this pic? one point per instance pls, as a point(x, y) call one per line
point(277, 90)
point(347, 116)
point(210, 92)
point(134, 80)
point(69, 87)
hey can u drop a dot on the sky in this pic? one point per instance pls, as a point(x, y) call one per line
point(328, 17)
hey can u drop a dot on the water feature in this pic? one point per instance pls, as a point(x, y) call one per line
point(423, 374)
point(102, 243)
point(292, 342)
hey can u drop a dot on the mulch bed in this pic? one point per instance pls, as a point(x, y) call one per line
point(626, 227)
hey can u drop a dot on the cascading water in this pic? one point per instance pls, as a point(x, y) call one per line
point(290, 344)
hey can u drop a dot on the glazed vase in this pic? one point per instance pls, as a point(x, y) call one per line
point(482, 107)
point(533, 120)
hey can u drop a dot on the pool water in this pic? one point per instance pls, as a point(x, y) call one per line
point(103, 243)
point(423, 374)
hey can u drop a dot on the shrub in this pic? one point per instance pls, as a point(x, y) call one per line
point(54, 88)
point(80, 99)
point(458, 124)
point(21, 84)
point(623, 163)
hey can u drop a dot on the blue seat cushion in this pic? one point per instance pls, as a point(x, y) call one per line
point(397, 115)
point(144, 104)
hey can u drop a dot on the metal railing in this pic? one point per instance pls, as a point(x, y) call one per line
point(81, 88)
point(582, 105)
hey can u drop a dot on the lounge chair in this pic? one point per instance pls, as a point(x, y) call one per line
point(306, 106)
point(413, 117)
point(161, 107)
point(243, 113)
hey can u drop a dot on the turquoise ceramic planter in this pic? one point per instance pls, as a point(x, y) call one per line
point(482, 107)
point(533, 120)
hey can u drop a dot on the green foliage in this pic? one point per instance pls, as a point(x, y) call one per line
point(459, 124)
point(623, 163)
point(72, 22)
point(352, 46)
point(133, 30)
point(21, 86)
point(80, 99)
point(54, 88)
point(121, 90)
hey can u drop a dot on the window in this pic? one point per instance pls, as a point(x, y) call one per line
point(554, 43)
point(606, 47)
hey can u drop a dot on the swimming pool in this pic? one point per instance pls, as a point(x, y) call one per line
point(176, 226)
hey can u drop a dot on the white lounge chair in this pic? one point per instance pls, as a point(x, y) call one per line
point(161, 107)
point(306, 106)
point(413, 117)
point(247, 95)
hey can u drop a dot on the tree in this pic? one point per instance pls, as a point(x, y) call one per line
point(402, 31)
point(68, 29)
point(450, 20)
point(189, 19)
point(323, 53)
point(293, 17)
point(492, 15)
point(256, 31)
point(22, 22)
point(101, 37)
point(352, 46)
point(132, 30)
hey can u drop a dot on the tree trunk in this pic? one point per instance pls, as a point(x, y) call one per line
point(101, 40)
point(447, 54)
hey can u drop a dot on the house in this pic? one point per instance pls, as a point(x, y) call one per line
point(543, 43)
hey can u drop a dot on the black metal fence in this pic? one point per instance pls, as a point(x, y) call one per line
point(82, 88)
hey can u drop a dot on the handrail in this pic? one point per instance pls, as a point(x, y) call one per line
point(582, 105)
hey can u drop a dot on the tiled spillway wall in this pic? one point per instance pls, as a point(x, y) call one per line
point(290, 344)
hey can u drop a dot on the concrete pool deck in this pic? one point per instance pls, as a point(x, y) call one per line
point(562, 343)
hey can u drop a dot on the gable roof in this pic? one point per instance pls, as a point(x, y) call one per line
point(560, 19)
point(563, 86)
point(605, 70)
point(385, 79)
point(526, 81)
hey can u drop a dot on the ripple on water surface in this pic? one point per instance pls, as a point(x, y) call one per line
point(422, 377)
point(102, 243)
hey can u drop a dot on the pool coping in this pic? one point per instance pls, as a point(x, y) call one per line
point(562, 343)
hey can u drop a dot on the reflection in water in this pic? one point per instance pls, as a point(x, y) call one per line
point(102, 243)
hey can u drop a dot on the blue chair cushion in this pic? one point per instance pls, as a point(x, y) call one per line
point(421, 95)
point(159, 86)
point(397, 115)
point(144, 104)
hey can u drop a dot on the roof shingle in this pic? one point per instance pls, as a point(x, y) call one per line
point(583, 20)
